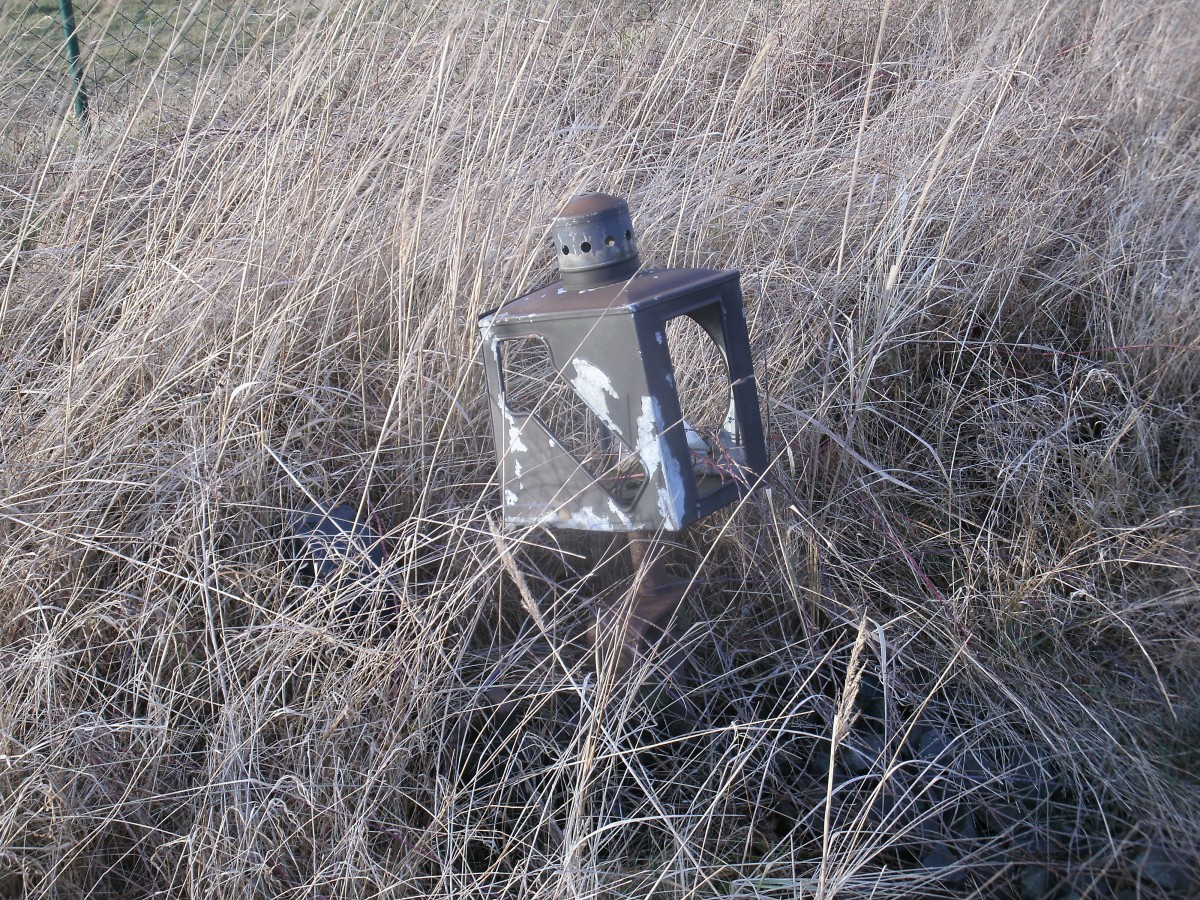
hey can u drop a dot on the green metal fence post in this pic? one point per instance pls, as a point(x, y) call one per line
point(68, 23)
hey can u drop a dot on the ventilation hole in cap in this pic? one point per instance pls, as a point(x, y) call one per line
point(566, 249)
point(628, 235)
point(609, 241)
point(585, 247)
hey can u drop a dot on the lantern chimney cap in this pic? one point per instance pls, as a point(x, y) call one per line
point(594, 241)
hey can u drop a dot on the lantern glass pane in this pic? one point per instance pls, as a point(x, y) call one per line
point(533, 384)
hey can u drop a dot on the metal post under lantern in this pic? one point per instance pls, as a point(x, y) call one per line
point(602, 422)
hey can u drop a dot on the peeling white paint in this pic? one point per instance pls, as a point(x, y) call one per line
point(656, 456)
point(518, 469)
point(670, 495)
point(625, 521)
point(647, 437)
point(664, 503)
point(696, 443)
point(494, 343)
point(514, 432)
point(594, 387)
point(561, 291)
point(587, 519)
point(510, 499)
point(658, 335)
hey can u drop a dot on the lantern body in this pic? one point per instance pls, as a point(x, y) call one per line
point(644, 466)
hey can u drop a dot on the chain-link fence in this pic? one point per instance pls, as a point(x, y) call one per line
point(121, 44)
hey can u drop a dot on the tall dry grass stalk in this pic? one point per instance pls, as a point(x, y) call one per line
point(950, 647)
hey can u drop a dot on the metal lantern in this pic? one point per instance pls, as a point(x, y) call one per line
point(592, 427)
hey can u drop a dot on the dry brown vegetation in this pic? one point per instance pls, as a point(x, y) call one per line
point(951, 647)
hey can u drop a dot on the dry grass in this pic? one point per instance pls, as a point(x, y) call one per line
point(952, 647)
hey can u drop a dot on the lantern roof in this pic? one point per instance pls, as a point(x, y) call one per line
point(646, 288)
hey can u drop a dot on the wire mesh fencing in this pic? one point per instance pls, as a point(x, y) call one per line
point(124, 48)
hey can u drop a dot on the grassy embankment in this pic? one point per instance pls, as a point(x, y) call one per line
point(953, 647)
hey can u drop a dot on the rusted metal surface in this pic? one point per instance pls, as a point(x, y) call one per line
point(637, 624)
point(594, 241)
